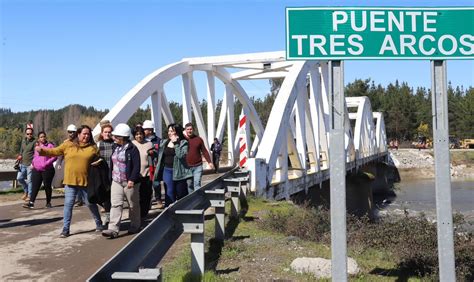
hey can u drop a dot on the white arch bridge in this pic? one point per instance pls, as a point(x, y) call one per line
point(292, 152)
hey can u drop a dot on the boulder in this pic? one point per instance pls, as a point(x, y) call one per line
point(320, 267)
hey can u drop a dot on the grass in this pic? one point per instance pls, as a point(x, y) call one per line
point(259, 249)
point(12, 191)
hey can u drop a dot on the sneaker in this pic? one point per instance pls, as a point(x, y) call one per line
point(64, 234)
point(48, 205)
point(79, 204)
point(99, 228)
point(110, 234)
point(29, 205)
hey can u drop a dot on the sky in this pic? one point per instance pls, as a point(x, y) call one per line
point(57, 52)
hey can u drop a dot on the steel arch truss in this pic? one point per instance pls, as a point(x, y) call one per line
point(295, 143)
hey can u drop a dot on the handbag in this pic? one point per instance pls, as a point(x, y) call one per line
point(16, 166)
point(58, 174)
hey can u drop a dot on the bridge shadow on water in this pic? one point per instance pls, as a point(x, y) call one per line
point(369, 189)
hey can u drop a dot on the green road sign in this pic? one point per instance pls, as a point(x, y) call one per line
point(354, 33)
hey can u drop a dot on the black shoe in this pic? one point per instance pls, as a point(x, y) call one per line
point(131, 232)
point(110, 234)
point(48, 205)
point(64, 234)
point(29, 205)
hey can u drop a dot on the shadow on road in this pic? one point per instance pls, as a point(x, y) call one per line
point(30, 222)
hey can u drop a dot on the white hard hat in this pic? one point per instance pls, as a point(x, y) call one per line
point(148, 124)
point(71, 127)
point(122, 129)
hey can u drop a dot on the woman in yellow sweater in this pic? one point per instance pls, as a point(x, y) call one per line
point(78, 156)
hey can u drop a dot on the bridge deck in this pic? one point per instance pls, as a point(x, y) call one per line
point(297, 183)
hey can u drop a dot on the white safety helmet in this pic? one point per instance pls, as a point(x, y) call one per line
point(71, 127)
point(148, 124)
point(122, 129)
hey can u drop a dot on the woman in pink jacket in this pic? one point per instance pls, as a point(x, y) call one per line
point(43, 172)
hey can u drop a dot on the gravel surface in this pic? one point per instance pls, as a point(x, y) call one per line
point(414, 163)
point(6, 164)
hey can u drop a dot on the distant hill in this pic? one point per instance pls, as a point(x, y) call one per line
point(53, 122)
point(407, 113)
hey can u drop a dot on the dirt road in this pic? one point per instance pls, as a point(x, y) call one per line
point(32, 250)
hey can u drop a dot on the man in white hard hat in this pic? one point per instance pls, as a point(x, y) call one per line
point(149, 130)
point(72, 132)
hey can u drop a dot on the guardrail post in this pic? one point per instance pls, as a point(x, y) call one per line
point(233, 186)
point(241, 173)
point(245, 178)
point(148, 274)
point(193, 223)
point(217, 199)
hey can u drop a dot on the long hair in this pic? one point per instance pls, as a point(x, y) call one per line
point(179, 130)
point(79, 130)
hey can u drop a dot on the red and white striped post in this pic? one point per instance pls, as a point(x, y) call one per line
point(243, 141)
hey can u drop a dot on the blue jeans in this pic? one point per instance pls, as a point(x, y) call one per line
point(24, 178)
point(70, 193)
point(194, 183)
point(175, 189)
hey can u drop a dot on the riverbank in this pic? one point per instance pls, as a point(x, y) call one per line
point(419, 164)
point(6, 164)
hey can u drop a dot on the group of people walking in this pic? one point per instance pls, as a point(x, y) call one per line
point(121, 165)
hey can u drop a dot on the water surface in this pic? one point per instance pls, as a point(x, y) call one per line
point(420, 195)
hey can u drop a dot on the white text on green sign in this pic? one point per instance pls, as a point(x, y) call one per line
point(380, 33)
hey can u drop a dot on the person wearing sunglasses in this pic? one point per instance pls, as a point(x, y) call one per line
point(25, 169)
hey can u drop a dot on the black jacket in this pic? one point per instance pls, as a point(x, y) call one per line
point(132, 169)
point(98, 183)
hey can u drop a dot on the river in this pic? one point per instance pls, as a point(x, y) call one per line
point(419, 195)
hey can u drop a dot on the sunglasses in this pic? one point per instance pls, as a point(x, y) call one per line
point(71, 132)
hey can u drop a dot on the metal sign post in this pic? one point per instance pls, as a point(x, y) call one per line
point(337, 157)
point(408, 33)
point(444, 214)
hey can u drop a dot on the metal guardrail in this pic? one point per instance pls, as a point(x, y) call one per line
point(8, 175)
point(147, 249)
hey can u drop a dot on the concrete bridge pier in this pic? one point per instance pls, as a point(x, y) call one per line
point(360, 188)
point(385, 176)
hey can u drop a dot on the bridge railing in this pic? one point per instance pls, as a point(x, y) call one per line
point(138, 259)
point(9, 175)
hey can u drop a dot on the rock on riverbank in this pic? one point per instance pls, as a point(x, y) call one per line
point(414, 163)
point(6, 164)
